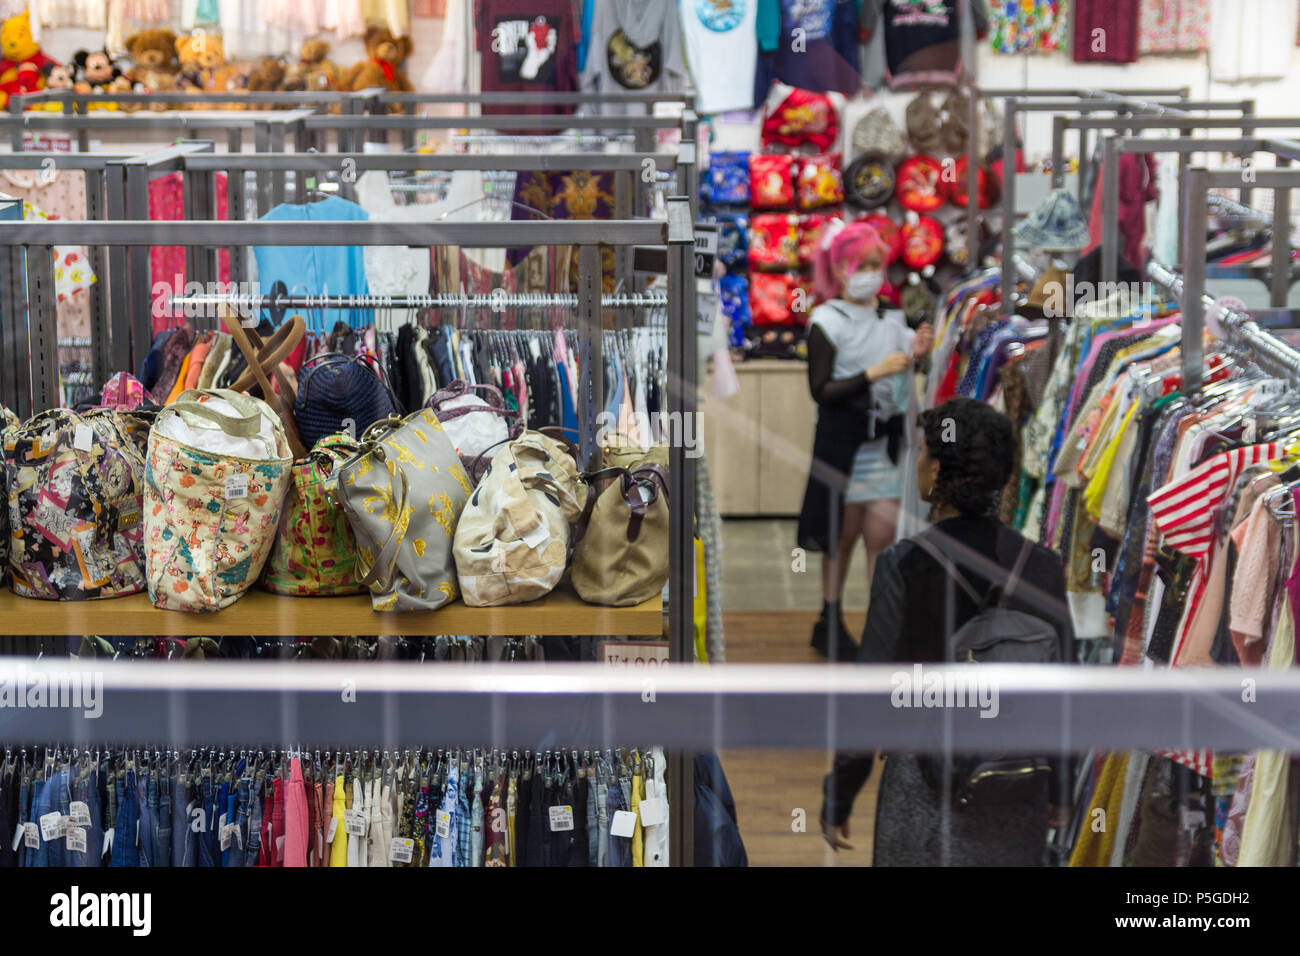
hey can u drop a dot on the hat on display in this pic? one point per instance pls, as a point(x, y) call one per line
point(920, 185)
point(878, 134)
point(888, 230)
point(869, 181)
point(1050, 283)
point(924, 124)
point(987, 188)
point(954, 115)
point(922, 242)
point(1057, 224)
point(803, 117)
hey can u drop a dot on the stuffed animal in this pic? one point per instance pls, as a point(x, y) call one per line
point(20, 49)
point(314, 71)
point(268, 76)
point(385, 53)
point(57, 78)
point(154, 52)
point(94, 70)
point(201, 55)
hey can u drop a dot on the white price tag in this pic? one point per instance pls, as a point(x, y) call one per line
point(561, 819)
point(334, 828)
point(652, 812)
point(442, 824)
point(80, 813)
point(108, 842)
point(355, 822)
point(18, 837)
point(51, 826)
point(76, 840)
point(225, 838)
point(236, 486)
point(31, 836)
point(83, 437)
point(401, 850)
point(623, 824)
point(537, 536)
point(279, 849)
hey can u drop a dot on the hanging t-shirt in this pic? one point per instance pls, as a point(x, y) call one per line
point(722, 49)
point(1253, 39)
point(1105, 31)
point(636, 47)
point(922, 37)
point(316, 270)
point(809, 44)
point(527, 46)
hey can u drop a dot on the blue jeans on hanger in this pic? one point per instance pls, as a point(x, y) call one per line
point(126, 832)
point(148, 803)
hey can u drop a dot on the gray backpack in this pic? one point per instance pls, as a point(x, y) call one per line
point(995, 635)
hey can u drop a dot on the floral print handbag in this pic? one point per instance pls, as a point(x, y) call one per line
point(403, 495)
point(315, 553)
point(210, 517)
point(74, 497)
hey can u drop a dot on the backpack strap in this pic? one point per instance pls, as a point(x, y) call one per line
point(1016, 571)
point(1003, 592)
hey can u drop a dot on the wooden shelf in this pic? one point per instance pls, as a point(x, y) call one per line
point(260, 613)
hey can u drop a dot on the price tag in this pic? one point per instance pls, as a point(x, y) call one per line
point(108, 842)
point(18, 837)
point(31, 836)
point(51, 826)
point(653, 812)
point(354, 821)
point(279, 849)
point(80, 813)
point(1271, 388)
point(76, 840)
point(537, 536)
point(236, 486)
point(623, 824)
point(225, 838)
point(401, 850)
point(334, 828)
point(442, 824)
point(561, 819)
point(83, 437)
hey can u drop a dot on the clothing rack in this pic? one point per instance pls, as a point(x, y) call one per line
point(26, 245)
point(270, 129)
point(648, 300)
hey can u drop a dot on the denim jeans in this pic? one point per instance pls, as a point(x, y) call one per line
point(25, 789)
point(620, 848)
point(51, 797)
point(476, 822)
point(254, 834)
point(143, 783)
point(126, 830)
point(235, 856)
point(602, 820)
point(87, 791)
point(181, 820)
point(162, 791)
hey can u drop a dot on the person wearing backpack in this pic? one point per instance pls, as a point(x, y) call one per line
point(967, 588)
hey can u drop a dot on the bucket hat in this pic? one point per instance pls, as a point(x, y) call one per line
point(1057, 224)
point(878, 133)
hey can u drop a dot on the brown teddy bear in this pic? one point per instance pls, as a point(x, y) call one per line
point(316, 73)
point(201, 56)
point(385, 52)
point(267, 76)
point(154, 52)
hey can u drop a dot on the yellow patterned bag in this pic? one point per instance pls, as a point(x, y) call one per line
point(403, 494)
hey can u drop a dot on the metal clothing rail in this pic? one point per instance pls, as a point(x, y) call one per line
point(244, 303)
point(269, 128)
point(1025, 708)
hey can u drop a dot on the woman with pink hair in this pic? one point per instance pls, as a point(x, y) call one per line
point(857, 363)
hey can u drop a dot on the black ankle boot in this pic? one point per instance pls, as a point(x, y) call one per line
point(845, 649)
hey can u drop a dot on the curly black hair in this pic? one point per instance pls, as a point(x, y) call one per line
point(975, 448)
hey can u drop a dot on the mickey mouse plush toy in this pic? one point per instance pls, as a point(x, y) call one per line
point(95, 70)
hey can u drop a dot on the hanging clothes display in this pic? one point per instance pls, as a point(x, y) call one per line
point(527, 46)
point(167, 263)
point(241, 808)
point(638, 47)
point(811, 46)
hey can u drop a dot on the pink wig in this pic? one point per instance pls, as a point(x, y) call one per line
point(849, 247)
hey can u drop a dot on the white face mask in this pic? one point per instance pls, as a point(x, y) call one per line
point(864, 285)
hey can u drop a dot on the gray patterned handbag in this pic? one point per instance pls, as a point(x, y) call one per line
point(403, 493)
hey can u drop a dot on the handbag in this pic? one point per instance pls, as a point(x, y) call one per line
point(75, 484)
point(314, 553)
point(334, 389)
point(474, 425)
point(512, 541)
point(210, 514)
point(621, 557)
point(403, 493)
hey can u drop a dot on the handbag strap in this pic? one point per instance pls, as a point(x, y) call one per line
point(244, 339)
point(269, 353)
point(243, 426)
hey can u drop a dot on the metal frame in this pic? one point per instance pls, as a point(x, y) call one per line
point(677, 233)
point(269, 128)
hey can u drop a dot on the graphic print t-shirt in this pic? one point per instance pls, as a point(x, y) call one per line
point(527, 46)
point(722, 49)
point(809, 44)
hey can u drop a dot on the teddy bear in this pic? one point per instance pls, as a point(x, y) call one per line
point(154, 52)
point(385, 52)
point(203, 66)
point(314, 71)
point(19, 49)
point(267, 76)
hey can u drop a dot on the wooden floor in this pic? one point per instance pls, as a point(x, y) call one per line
point(779, 792)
